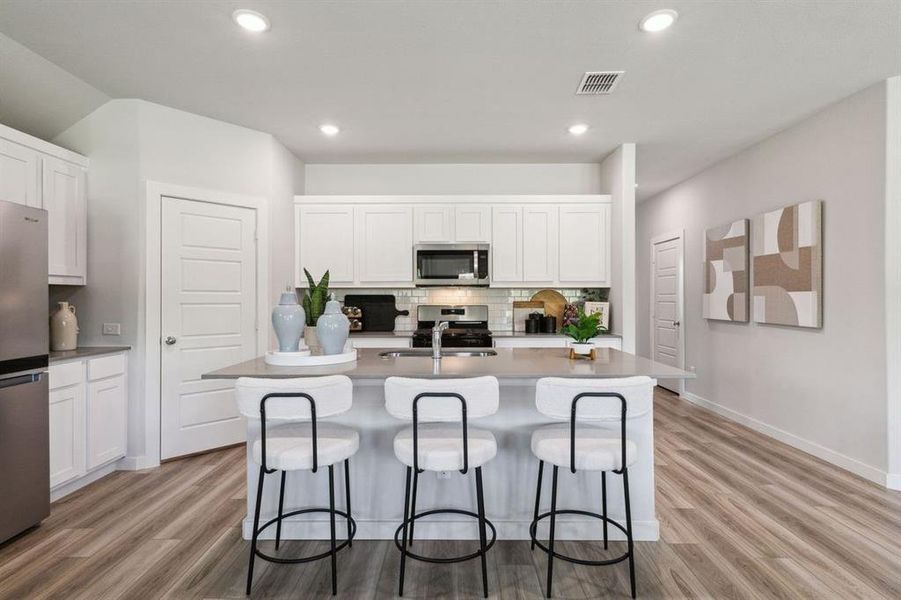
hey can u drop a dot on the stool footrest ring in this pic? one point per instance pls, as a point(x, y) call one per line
point(453, 559)
point(305, 559)
point(580, 561)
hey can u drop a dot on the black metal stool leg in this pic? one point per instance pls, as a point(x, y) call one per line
point(538, 496)
point(281, 504)
point(413, 509)
point(550, 556)
point(629, 529)
point(403, 545)
point(256, 526)
point(331, 506)
point(604, 504)
point(480, 500)
point(347, 499)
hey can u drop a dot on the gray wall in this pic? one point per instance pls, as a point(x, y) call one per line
point(824, 390)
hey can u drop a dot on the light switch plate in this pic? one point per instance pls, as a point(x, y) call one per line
point(112, 329)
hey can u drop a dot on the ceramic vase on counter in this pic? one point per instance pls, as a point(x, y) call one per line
point(63, 328)
point(332, 328)
point(288, 321)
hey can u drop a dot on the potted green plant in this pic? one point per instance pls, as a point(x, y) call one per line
point(314, 299)
point(581, 331)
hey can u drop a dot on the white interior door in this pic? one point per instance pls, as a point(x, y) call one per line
point(666, 306)
point(208, 320)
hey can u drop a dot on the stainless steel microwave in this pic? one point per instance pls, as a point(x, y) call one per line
point(451, 264)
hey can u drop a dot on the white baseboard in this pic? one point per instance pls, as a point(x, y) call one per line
point(831, 456)
point(136, 463)
point(893, 481)
point(295, 528)
point(67, 488)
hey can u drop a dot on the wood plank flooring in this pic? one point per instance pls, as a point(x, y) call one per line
point(742, 516)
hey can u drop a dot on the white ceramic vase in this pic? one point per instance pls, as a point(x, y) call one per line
point(578, 348)
point(288, 321)
point(332, 328)
point(63, 328)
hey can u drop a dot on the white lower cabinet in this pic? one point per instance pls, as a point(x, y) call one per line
point(67, 433)
point(552, 341)
point(380, 342)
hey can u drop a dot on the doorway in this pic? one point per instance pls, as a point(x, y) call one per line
point(667, 339)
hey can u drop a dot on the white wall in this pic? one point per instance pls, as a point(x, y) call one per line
point(821, 390)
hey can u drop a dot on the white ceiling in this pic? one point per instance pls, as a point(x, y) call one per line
point(486, 81)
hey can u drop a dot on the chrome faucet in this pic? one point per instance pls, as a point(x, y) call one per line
point(436, 338)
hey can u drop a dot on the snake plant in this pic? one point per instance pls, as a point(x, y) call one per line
point(314, 298)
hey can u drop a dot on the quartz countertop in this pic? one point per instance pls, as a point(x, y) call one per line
point(509, 363)
point(85, 352)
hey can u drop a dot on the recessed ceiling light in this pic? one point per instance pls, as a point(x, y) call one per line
point(329, 130)
point(578, 128)
point(658, 20)
point(251, 20)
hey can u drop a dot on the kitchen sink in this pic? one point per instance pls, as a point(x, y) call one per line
point(427, 353)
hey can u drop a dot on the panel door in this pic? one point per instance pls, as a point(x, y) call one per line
point(472, 223)
point(63, 197)
point(106, 420)
point(584, 245)
point(325, 242)
point(539, 243)
point(208, 320)
point(67, 434)
point(506, 244)
point(19, 173)
point(433, 224)
point(666, 307)
point(385, 234)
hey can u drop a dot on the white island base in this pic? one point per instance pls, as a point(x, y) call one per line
point(377, 480)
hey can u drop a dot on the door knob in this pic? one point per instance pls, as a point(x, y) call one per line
point(170, 340)
point(676, 324)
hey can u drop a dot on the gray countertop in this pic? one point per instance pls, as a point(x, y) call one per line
point(510, 363)
point(86, 351)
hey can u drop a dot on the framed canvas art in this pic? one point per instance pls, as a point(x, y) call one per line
point(604, 309)
point(726, 272)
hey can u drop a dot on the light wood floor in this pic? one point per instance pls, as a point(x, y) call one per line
point(742, 516)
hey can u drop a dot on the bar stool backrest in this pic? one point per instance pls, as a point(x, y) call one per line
point(554, 398)
point(332, 394)
point(481, 395)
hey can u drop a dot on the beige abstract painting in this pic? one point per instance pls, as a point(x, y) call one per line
point(726, 272)
point(788, 265)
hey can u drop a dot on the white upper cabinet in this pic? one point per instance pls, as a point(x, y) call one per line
point(63, 195)
point(19, 174)
point(584, 245)
point(506, 243)
point(539, 243)
point(472, 223)
point(324, 241)
point(433, 223)
point(385, 235)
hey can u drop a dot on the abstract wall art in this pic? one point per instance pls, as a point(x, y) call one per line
point(726, 272)
point(788, 265)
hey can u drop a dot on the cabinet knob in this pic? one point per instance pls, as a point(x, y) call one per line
point(170, 340)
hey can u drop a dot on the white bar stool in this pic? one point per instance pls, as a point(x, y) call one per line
point(588, 448)
point(433, 445)
point(300, 442)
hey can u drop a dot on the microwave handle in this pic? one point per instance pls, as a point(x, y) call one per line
point(475, 263)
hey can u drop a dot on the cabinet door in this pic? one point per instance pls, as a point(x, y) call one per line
point(539, 247)
point(67, 434)
point(63, 197)
point(324, 242)
point(433, 224)
point(584, 245)
point(19, 172)
point(385, 234)
point(472, 223)
point(106, 406)
point(506, 244)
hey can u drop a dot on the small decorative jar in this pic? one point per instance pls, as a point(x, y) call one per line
point(288, 320)
point(581, 348)
point(63, 328)
point(332, 328)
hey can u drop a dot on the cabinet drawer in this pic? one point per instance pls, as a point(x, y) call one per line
point(99, 368)
point(66, 374)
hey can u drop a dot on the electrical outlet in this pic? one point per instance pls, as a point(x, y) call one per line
point(112, 329)
point(444, 474)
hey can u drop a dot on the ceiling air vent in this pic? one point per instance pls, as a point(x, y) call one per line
point(599, 82)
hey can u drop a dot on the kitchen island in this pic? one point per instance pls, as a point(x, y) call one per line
point(377, 477)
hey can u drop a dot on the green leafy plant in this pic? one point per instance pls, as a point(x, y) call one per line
point(314, 298)
point(584, 328)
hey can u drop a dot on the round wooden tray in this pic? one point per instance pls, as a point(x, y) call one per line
point(554, 303)
point(307, 359)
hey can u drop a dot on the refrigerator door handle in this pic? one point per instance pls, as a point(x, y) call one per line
point(20, 380)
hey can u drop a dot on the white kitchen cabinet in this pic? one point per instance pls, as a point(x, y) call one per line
point(63, 197)
point(385, 249)
point(325, 241)
point(539, 243)
point(388, 341)
point(433, 223)
point(67, 431)
point(584, 246)
point(506, 244)
point(472, 223)
point(551, 341)
point(106, 420)
point(19, 174)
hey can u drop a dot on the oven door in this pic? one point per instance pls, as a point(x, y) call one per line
point(451, 264)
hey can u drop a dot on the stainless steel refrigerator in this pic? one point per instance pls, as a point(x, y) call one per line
point(24, 349)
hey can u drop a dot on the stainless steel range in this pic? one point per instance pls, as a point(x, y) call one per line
point(468, 326)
